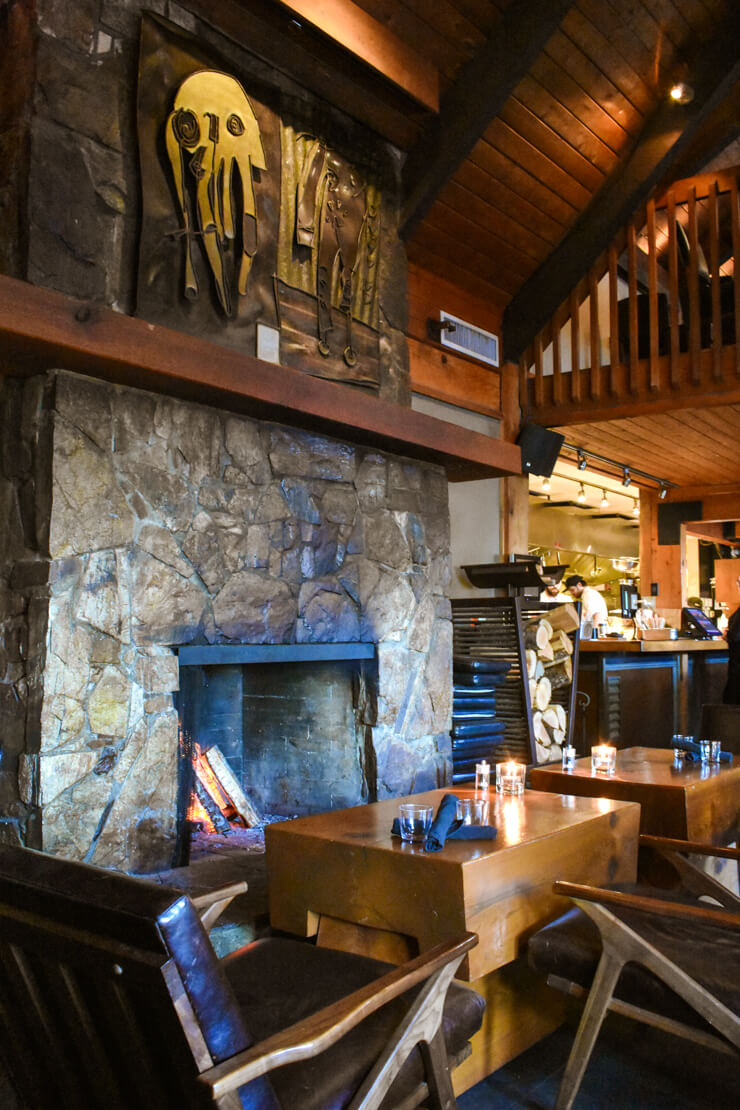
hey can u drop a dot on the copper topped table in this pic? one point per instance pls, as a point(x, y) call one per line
point(342, 875)
point(694, 803)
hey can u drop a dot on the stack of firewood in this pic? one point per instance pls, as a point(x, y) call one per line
point(549, 649)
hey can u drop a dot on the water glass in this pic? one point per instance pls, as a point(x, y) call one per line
point(415, 821)
point(709, 751)
point(569, 757)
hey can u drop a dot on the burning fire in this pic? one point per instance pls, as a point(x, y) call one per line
point(210, 799)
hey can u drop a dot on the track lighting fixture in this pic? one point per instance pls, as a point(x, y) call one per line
point(628, 472)
point(581, 460)
point(662, 491)
point(626, 478)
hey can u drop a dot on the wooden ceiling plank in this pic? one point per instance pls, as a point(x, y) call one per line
point(442, 267)
point(656, 39)
point(317, 64)
point(622, 35)
point(521, 152)
point(356, 31)
point(524, 185)
point(447, 226)
point(405, 25)
point(654, 437)
point(517, 202)
point(588, 91)
point(441, 240)
point(715, 70)
point(484, 218)
point(561, 119)
point(539, 133)
point(449, 22)
point(481, 89)
point(482, 184)
point(652, 453)
point(598, 45)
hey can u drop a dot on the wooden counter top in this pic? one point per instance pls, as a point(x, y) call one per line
point(638, 647)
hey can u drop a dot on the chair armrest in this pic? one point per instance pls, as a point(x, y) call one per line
point(321, 1030)
point(664, 843)
point(702, 914)
point(212, 904)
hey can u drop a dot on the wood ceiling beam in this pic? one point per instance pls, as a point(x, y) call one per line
point(667, 135)
point(41, 330)
point(484, 85)
point(356, 31)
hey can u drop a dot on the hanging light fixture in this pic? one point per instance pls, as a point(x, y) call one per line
point(604, 503)
point(626, 478)
point(546, 485)
point(581, 498)
point(636, 508)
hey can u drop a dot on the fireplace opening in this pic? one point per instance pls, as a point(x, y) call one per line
point(269, 733)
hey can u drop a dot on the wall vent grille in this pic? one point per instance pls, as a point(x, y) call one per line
point(467, 339)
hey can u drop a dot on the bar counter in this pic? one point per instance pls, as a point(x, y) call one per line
point(641, 692)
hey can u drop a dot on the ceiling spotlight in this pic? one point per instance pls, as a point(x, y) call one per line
point(681, 93)
point(546, 485)
point(626, 479)
point(636, 508)
point(662, 492)
point(581, 497)
point(581, 461)
point(604, 500)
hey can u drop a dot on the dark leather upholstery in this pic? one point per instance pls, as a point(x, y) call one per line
point(570, 947)
point(255, 992)
point(278, 982)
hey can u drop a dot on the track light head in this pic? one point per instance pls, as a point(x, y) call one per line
point(581, 460)
point(626, 478)
point(662, 492)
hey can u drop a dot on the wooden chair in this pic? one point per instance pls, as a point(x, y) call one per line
point(111, 996)
point(661, 957)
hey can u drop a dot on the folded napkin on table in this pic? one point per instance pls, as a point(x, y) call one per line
point(447, 825)
point(693, 751)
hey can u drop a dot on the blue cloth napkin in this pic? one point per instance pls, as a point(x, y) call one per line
point(693, 751)
point(447, 826)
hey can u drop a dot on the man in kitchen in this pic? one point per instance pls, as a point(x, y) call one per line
point(593, 606)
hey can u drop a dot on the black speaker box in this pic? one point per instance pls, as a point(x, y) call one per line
point(540, 449)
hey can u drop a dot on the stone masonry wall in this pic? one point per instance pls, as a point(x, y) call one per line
point(173, 523)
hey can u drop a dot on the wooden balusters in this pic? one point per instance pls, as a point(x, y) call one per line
point(653, 298)
point(673, 298)
point(735, 218)
point(694, 302)
point(575, 347)
point(632, 281)
point(613, 321)
point(714, 269)
point(594, 334)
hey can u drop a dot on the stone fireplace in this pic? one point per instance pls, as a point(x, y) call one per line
point(141, 524)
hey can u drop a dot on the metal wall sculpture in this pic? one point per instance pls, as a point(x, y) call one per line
point(252, 214)
point(212, 134)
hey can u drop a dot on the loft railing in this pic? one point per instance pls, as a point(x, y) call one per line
point(658, 313)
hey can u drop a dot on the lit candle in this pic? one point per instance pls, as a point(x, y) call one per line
point(482, 776)
point(569, 757)
point(604, 759)
point(510, 778)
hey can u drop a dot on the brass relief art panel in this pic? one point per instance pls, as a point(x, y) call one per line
point(251, 219)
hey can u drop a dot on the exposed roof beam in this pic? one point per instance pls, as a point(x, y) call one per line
point(372, 42)
point(481, 90)
point(665, 138)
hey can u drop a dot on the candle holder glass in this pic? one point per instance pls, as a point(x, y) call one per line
point(510, 778)
point(569, 757)
point(482, 777)
point(603, 759)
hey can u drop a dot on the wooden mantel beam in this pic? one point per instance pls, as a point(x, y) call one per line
point(665, 139)
point(482, 88)
point(42, 330)
point(373, 44)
